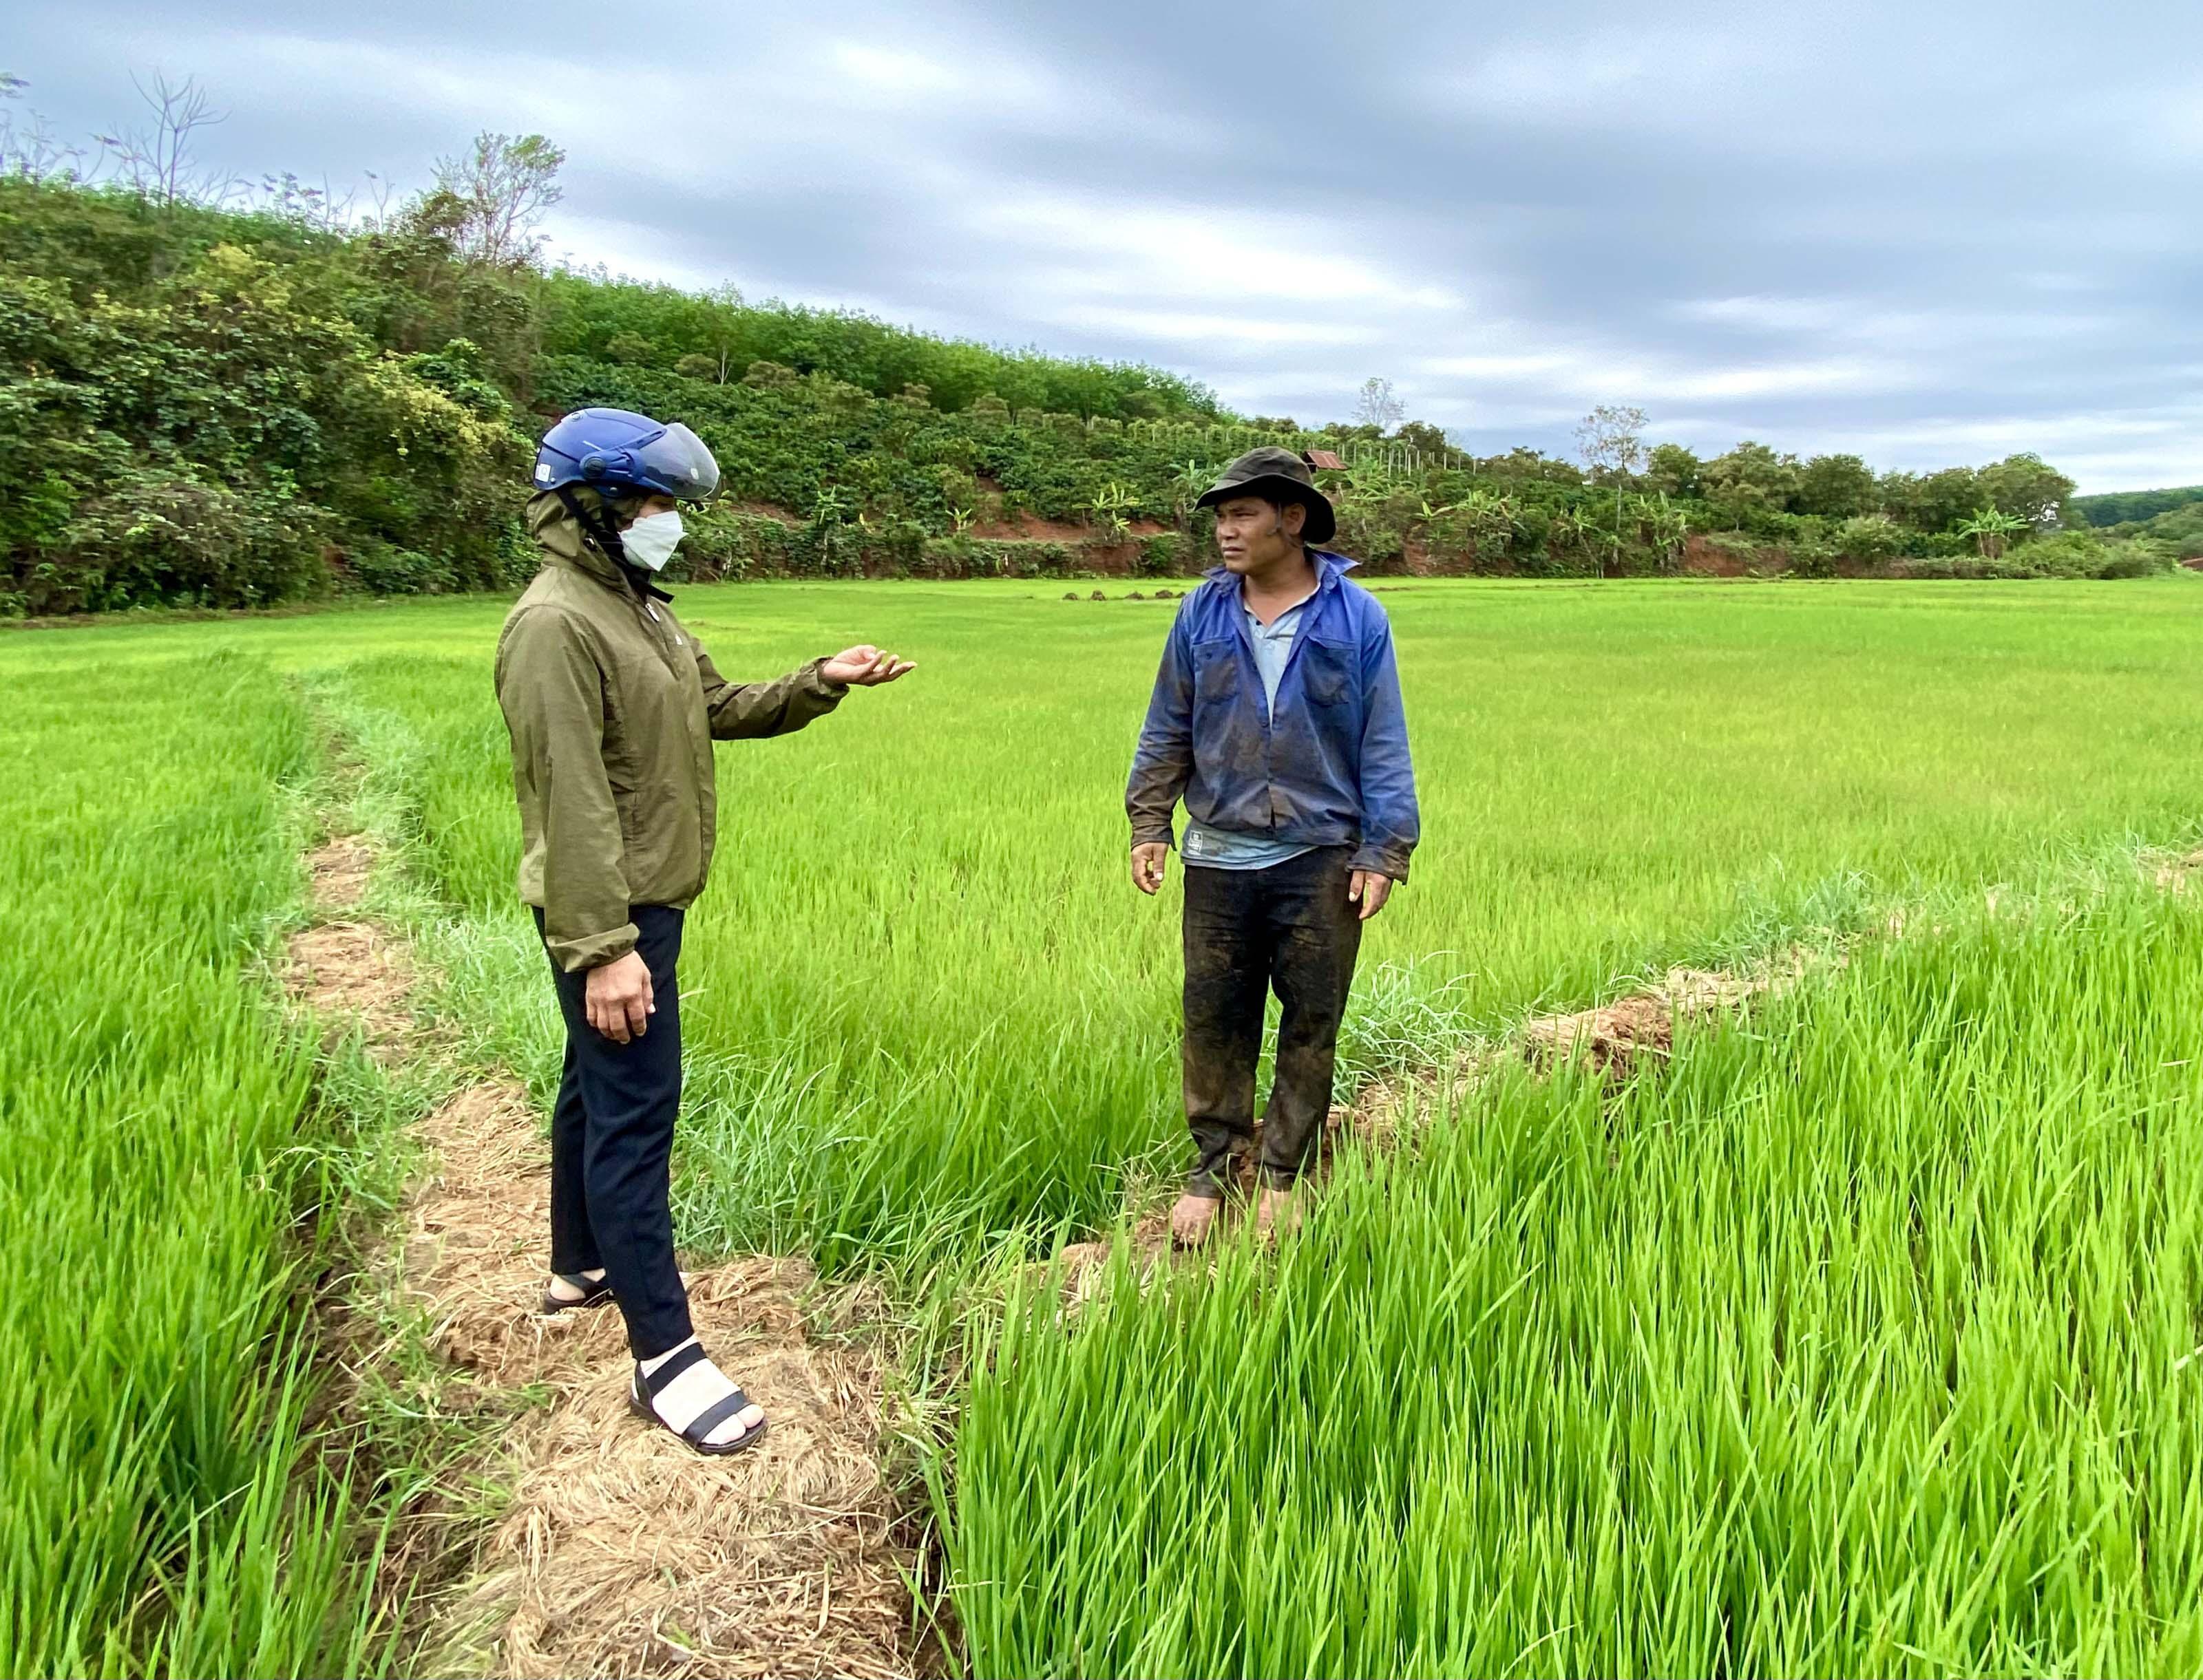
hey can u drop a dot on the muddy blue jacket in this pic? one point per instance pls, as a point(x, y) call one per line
point(1332, 768)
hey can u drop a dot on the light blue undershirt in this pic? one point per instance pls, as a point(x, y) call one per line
point(1229, 849)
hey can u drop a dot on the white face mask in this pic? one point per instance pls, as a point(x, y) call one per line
point(650, 541)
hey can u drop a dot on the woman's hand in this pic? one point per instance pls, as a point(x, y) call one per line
point(619, 1000)
point(865, 667)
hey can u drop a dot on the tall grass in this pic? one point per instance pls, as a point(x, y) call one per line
point(1863, 1342)
point(157, 1146)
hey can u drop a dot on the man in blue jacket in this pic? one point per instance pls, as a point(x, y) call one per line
point(1276, 719)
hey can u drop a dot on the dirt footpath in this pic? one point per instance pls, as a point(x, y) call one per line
point(621, 1552)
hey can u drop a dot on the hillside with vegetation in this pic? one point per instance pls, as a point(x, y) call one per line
point(2169, 520)
point(2133, 507)
point(225, 406)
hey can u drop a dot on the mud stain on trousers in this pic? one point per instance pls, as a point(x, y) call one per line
point(1291, 929)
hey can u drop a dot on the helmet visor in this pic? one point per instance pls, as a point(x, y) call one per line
point(676, 462)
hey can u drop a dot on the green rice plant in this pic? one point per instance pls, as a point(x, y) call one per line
point(162, 1166)
point(1865, 1340)
point(921, 990)
point(1589, 1381)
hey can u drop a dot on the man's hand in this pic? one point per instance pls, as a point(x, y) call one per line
point(865, 667)
point(1148, 866)
point(1369, 889)
point(619, 1002)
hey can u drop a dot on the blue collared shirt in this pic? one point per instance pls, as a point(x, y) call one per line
point(1323, 762)
point(1220, 848)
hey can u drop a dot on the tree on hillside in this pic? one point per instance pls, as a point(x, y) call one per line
point(2023, 486)
point(505, 187)
point(1611, 438)
point(1377, 406)
point(1931, 501)
point(1611, 441)
point(1431, 440)
point(1836, 487)
point(2117, 507)
point(1752, 480)
point(1673, 470)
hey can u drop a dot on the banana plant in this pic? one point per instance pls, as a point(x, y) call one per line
point(1188, 479)
point(1989, 528)
point(1669, 526)
point(1370, 481)
point(961, 520)
point(1493, 517)
point(1111, 504)
point(1566, 525)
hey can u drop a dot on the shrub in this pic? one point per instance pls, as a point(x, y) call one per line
point(2139, 557)
point(385, 569)
point(158, 538)
point(1872, 538)
point(2067, 554)
point(1811, 548)
point(770, 375)
point(1163, 555)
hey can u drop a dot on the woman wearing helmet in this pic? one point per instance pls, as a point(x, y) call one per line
point(613, 709)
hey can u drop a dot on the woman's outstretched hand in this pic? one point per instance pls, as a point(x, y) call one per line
point(865, 667)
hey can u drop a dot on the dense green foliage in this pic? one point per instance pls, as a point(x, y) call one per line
point(2122, 507)
point(228, 409)
point(208, 408)
point(717, 337)
point(159, 1148)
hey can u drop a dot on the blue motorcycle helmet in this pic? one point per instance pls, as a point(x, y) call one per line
point(618, 453)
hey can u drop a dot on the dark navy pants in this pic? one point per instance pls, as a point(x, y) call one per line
point(1290, 928)
point(612, 1146)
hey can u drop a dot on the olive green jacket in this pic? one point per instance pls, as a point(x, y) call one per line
point(612, 708)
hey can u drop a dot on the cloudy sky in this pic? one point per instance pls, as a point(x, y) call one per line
point(1928, 231)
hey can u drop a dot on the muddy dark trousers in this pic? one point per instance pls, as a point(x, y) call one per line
point(612, 1146)
point(1288, 927)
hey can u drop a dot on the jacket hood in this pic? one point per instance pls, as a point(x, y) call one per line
point(560, 535)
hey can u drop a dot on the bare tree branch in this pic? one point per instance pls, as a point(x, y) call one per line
point(505, 185)
point(29, 149)
point(158, 161)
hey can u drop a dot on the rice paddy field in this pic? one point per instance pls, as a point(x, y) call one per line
point(1862, 1334)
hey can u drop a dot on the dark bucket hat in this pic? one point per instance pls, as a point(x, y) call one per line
point(1280, 475)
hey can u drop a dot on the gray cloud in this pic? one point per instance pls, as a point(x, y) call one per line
point(1927, 233)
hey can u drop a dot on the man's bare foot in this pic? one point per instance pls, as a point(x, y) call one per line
point(1193, 1220)
point(1277, 1214)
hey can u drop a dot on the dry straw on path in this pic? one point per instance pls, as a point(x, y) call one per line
point(620, 1551)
